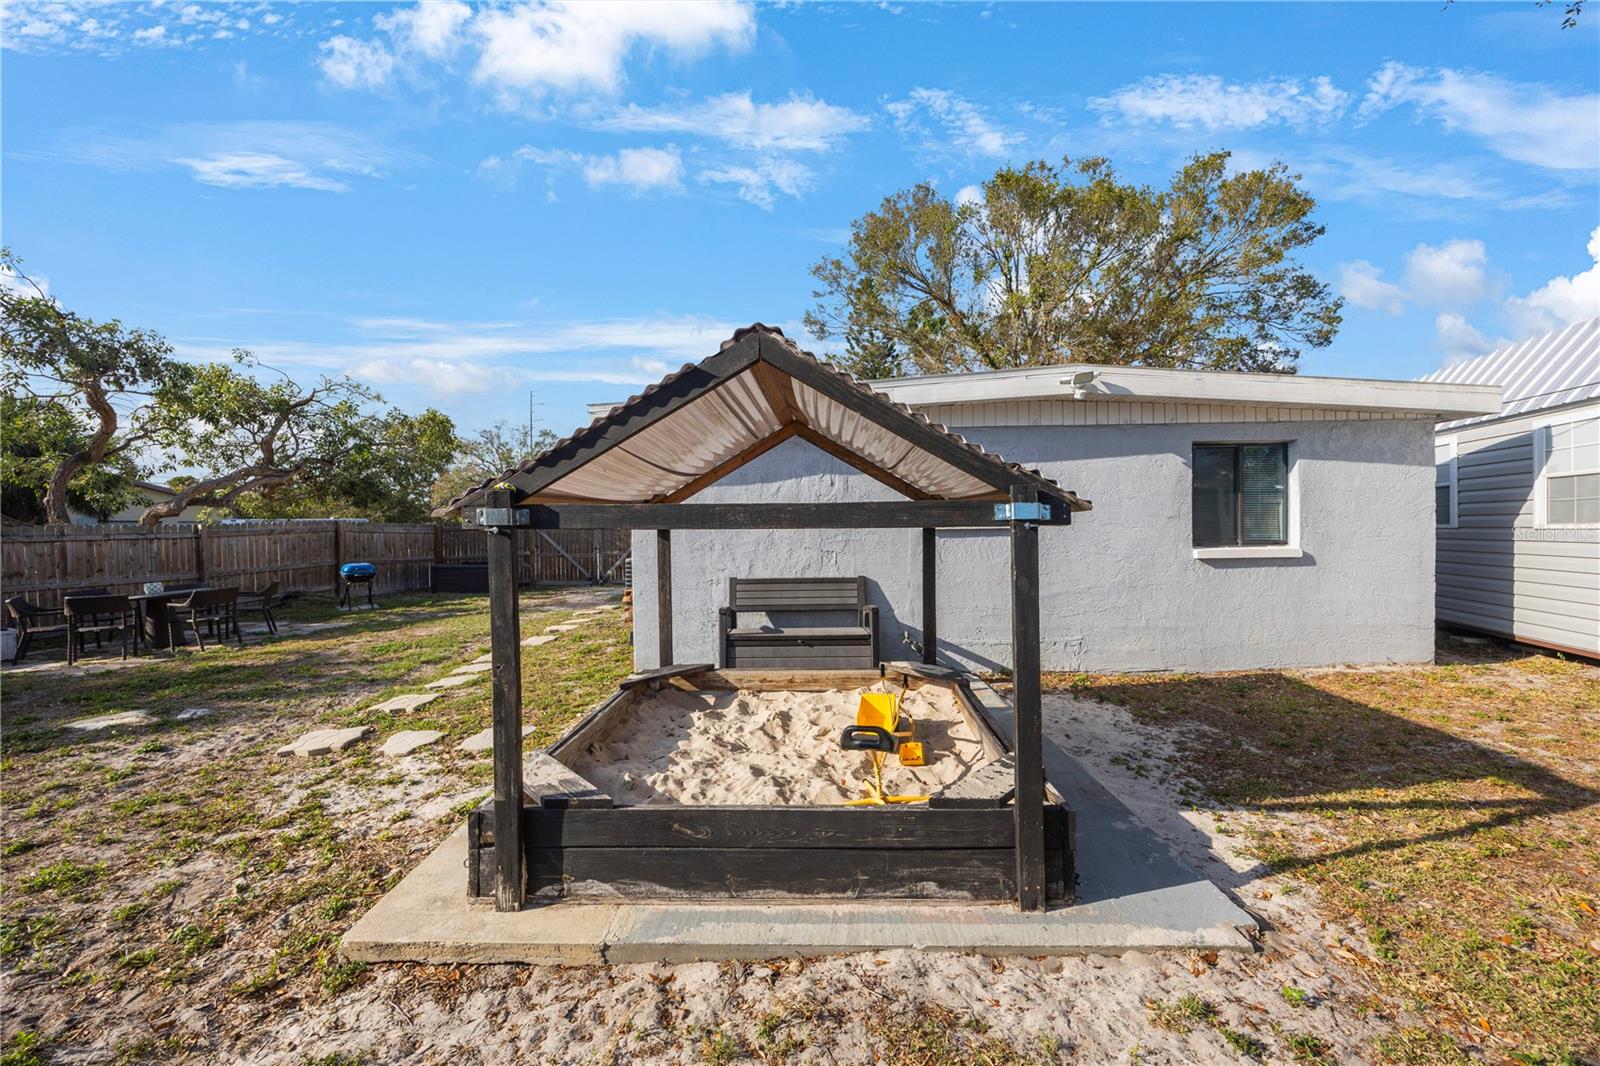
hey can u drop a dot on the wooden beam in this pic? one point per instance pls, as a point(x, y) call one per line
point(886, 514)
point(728, 466)
point(1028, 743)
point(664, 596)
point(863, 464)
point(930, 604)
point(779, 393)
point(506, 653)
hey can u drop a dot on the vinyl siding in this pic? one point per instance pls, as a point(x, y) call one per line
point(1497, 571)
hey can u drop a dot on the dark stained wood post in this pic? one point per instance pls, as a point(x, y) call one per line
point(505, 647)
point(930, 613)
point(664, 596)
point(1029, 740)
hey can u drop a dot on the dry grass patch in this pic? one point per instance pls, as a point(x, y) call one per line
point(1453, 810)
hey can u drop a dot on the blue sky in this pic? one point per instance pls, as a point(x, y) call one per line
point(462, 204)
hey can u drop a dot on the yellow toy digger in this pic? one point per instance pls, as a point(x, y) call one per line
point(878, 731)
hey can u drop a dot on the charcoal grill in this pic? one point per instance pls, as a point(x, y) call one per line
point(353, 574)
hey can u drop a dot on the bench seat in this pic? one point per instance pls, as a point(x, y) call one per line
point(819, 647)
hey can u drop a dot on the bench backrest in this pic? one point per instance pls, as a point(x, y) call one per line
point(797, 593)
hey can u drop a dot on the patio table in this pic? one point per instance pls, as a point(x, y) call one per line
point(152, 608)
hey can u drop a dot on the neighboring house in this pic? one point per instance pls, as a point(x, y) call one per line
point(149, 493)
point(1518, 495)
point(1240, 521)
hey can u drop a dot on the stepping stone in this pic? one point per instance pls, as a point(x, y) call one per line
point(325, 741)
point(409, 702)
point(408, 741)
point(473, 668)
point(189, 714)
point(484, 741)
point(565, 627)
point(453, 681)
point(111, 721)
point(534, 642)
point(485, 658)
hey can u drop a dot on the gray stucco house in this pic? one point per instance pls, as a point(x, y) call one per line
point(1240, 521)
point(1518, 495)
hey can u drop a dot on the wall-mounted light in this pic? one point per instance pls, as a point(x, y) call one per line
point(1080, 382)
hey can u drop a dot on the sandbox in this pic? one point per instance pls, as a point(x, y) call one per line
point(697, 783)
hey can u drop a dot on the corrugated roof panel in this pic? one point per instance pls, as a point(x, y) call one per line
point(1547, 371)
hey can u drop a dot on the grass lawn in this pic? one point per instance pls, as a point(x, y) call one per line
point(1453, 810)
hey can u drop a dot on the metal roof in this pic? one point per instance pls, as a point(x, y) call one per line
point(704, 421)
point(1549, 371)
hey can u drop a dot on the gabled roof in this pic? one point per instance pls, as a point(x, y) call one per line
point(1548, 371)
point(701, 423)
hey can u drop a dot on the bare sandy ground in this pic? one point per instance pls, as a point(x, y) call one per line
point(779, 748)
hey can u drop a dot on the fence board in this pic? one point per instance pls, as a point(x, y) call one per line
point(45, 563)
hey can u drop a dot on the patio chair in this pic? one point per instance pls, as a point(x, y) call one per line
point(100, 615)
point(216, 609)
point(262, 601)
point(33, 622)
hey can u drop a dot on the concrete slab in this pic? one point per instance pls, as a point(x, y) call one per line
point(409, 740)
point(453, 681)
point(112, 721)
point(540, 641)
point(473, 668)
point(325, 741)
point(484, 658)
point(564, 627)
point(409, 702)
point(189, 714)
point(1134, 894)
point(484, 741)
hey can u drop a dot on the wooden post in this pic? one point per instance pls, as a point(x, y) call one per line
point(664, 596)
point(930, 613)
point(505, 647)
point(438, 544)
point(1028, 744)
point(200, 555)
point(338, 553)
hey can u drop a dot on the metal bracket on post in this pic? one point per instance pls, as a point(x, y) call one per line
point(1022, 511)
point(502, 517)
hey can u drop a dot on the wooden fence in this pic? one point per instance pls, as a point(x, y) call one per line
point(46, 563)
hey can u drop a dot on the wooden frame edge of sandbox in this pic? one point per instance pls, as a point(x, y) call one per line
point(960, 847)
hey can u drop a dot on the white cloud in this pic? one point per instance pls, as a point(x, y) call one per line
point(962, 124)
point(1208, 102)
point(800, 123)
point(150, 35)
point(352, 64)
point(307, 155)
point(1561, 301)
point(530, 49)
point(969, 194)
point(1458, 338)
point(639, 169)
point(109, 29)
point(432, 30)
point(1360, 283)
point(1525, 122)
point(245, 170)
point(1452, 275)
point(761, 183)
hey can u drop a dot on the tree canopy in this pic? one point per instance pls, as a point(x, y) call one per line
point(489, 453)
point(1054, 264)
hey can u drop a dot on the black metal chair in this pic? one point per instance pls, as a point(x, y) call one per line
point(100, 615)
point(216, 609)
point(262, 601)
point(33, 622)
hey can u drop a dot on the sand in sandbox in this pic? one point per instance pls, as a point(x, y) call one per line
point(777, 748)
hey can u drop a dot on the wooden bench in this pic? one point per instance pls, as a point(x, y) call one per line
point(820, 647)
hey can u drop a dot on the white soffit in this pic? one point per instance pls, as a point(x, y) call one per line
point(1114, 383)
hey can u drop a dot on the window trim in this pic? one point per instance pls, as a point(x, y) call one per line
point(1452, 479)
point(1541, 478)
point(1289, 547)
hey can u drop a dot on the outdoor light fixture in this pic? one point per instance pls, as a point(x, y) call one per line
point(1080, 382)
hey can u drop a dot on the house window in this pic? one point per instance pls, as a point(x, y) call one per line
point(1444, 483)
point(1241, 495)
point(1571, 473)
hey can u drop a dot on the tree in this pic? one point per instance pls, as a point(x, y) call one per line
point(251, 436)
point(110, 382)
point(489, 453)
point(386, 476)
point(37, 434)
point(1058, 264)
